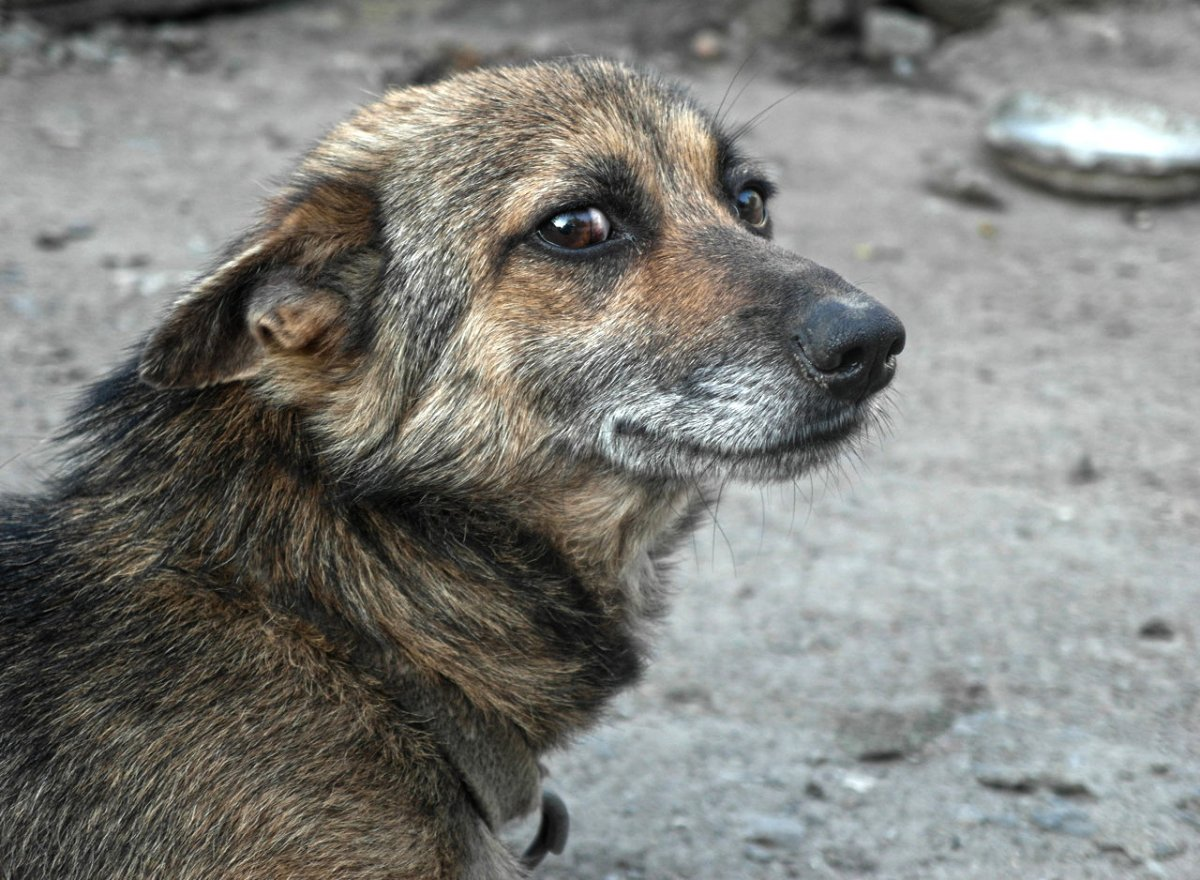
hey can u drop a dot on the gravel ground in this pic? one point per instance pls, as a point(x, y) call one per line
point(972, 653)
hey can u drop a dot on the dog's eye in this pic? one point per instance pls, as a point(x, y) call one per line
point(752, 206)
point(574, 230)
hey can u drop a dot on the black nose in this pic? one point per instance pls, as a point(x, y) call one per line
point(849, 344)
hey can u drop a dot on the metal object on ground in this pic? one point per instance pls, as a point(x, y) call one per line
point(1097, 145)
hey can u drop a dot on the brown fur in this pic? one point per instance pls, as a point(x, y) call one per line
point(376, 519)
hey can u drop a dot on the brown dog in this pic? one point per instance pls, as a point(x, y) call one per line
point(376, 518)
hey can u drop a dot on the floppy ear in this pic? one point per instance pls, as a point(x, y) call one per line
point(270, 296)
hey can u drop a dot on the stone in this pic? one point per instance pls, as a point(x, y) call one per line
point(830, 15)
point(1026, 757)
point(1187, 809)
point(58, 238)
point(1165, 850)
point(773, 832)
point(959, 14)
point(850, 857)
point(759, 854)
point(952, 178)
point(125, 261)
point(767, 19)
point(859, 783)
point(1003, 777)
point(708, 44)
point(890, 34)
point(872, 252)
point(689, 694)
point(1067, 783)
point(1138, 835)
point(1156, 629)
point(892, 732)
point(1063, 819)
point(1084, 471)
point(63, 126)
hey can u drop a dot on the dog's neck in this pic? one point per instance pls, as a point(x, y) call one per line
point(533, 618)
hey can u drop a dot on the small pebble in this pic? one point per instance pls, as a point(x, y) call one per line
point(870, 252)
point(1001, 820)
point(958, 13)
point(1063, 820)
point(1139, 217)
point(888, 733)
point(1068, 785)
point(1083, 472)
point(774, 832)
point(1165, 850)
point(130, 261)
point(850, 857)
point(1156, 629)
point(829, 15)
point(708, 45)
point(1188, 809)
point(758, 854)
point(57, 239)
point(1005, 778)
point(62, 126)
point(890, 33)
point(859, 783)
point(951, 178)
point(689, 695)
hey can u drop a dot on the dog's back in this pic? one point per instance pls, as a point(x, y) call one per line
point(155, 723)
point(160, 717)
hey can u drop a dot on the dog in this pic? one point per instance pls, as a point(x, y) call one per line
point(380, 513)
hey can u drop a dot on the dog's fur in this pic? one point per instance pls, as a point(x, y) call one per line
point(376, 517)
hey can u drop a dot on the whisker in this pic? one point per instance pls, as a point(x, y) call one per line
point(740, 92)
point(749, 125)
point(718, 528)
point(720, 107)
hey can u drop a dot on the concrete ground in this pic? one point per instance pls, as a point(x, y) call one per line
point(971, 654)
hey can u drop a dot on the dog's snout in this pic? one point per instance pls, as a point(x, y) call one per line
point(850, 345)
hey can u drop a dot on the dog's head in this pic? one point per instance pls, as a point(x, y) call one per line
point(519, 267)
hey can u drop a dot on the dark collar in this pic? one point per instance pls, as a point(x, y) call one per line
point(498, 767)
point(495, 762)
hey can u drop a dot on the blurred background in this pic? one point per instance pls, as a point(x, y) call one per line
point(969, 653)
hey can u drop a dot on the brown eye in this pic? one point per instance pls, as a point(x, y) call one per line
point(575, 230)
point(752, 206)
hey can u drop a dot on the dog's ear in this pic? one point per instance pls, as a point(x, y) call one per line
point(269, 297)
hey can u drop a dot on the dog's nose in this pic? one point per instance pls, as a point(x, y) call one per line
point(851, 345)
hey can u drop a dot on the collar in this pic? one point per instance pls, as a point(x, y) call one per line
point(497, 766)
